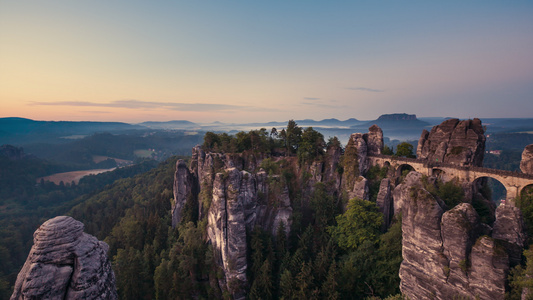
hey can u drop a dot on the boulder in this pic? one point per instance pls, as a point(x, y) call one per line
point(65, 263)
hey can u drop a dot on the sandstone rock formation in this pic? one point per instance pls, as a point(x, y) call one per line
point(235, 195)
point(360, 189)
point(526, 164)
point(356, 162)
point(509, 227)
point(453, 141)
point(65, 263)
point(449, 253)
point(384, 202)
point(185, 189)
point(374, 140)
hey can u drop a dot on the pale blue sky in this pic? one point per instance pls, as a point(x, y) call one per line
point(246, 61)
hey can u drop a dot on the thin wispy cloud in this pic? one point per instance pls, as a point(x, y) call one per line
point(365, 89)
point(311, 98)
point(137, 104)
point(322, 104)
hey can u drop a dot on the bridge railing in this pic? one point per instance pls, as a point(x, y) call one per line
point(454, 166)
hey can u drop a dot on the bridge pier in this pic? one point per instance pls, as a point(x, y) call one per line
point(512, 193)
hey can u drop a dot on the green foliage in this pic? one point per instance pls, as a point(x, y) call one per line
point(387, 150)
point(254, 140)
point(450, 192)
point(507, 160)
point(360, 223)
point(291, 136)
point(521, 277)
point(350, 165)
point(333, 142)
point(311, 145)
point(405, 150)
point(372, 269)
point(28, 205)
point(375, 174)
point(525, 203)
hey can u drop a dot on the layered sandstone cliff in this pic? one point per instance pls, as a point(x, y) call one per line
point(449, 253)
point(65, 263)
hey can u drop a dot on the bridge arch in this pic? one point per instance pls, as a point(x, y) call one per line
point(492, 188)
point(439, 173)
point(404, 168)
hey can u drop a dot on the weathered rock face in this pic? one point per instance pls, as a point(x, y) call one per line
point(331, 167)
point(453, 141)
point(360, 189)
point(374, 140)
point(451, 254)
point(422, 251)
point(235, 196)
point(526, 164)
point(509, 227)
point(384, 202)
point(65, 263)
point(185, 189)
point(358, 142)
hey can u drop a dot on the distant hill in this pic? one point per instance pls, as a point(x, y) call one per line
point(20, 131)
point(176, 124)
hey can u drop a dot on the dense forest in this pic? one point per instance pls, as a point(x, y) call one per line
point(336, 249)
point(25, 204)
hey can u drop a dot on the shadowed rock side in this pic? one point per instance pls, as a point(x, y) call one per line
point(451, 253)
point(65, 263)
point(526, 164)
point(185, 189)
point(384, 202)
point(453, 141)
point(374, 140)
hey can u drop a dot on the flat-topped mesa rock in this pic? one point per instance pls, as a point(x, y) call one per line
point(526, 164)
point(453, 141)
point(449, 253)
point(397, 117)
point(65, 263)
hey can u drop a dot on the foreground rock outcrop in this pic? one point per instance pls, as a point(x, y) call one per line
point(65, 263)
point(449, 253)
point(453, 141)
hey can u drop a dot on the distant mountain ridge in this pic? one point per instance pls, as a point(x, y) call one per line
point(21, 130)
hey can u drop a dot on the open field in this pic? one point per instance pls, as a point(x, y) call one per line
point(75, 176)
point(120, 162)
point(143, 153)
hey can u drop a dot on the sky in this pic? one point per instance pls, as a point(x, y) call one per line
point(259, 61)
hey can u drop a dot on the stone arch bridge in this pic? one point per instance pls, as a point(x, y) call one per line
point(514, 182)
